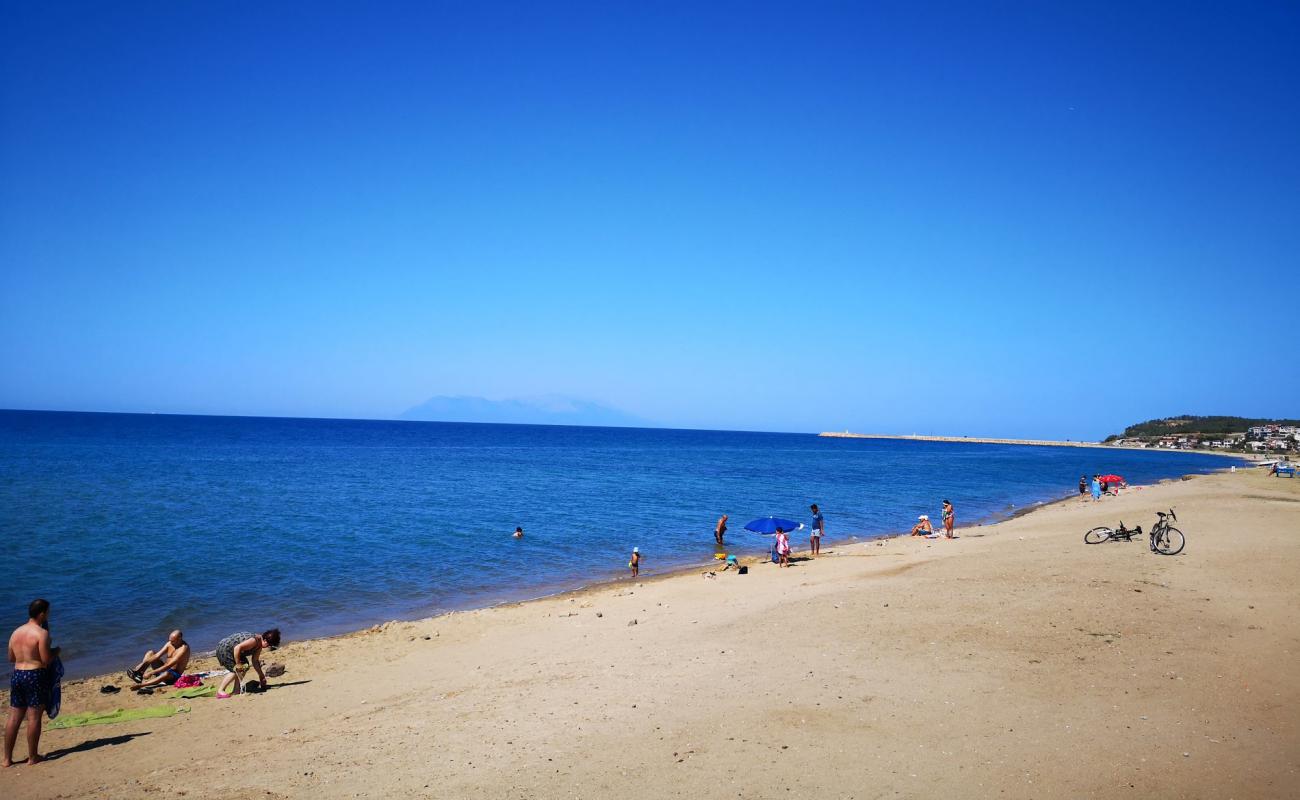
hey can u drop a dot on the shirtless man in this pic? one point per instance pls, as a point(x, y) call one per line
point(720, 530)
point(31, 655)
point(164, 666)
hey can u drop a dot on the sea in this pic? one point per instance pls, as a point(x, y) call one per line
point(134, 524)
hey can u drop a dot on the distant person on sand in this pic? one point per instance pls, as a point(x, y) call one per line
point(818, 528)
point(519, 533)
point(922, 526)
point(164, 666)
point(1083, 484)
point(947, 519)
point(635, 563)
point(236, 651)
point(783, 547)
point(720, 530)
point(31, 680)
point(1096, 488)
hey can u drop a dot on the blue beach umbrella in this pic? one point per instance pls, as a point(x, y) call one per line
point(770, 524)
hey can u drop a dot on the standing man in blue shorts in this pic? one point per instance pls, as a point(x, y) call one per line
point(29, 685)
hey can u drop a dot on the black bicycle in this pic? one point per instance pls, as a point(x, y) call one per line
point(1166, 539)
point(1105, 533)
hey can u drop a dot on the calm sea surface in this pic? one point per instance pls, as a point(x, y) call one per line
point(132, 525)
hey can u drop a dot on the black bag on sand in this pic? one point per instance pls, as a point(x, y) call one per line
point(743, 571)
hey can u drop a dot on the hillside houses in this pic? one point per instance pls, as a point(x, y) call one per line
point(1256, 439)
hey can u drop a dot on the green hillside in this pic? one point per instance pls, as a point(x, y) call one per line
point(1188, 423)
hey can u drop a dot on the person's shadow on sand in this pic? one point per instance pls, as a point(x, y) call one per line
point(94, 744)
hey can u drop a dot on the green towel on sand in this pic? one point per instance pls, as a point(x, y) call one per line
point(111, 717)
point(193, 691)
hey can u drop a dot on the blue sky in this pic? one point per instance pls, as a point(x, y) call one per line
point(1003, 219)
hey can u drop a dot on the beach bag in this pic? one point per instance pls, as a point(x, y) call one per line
point(743, 571)
point(776, 558)
point(188, 681)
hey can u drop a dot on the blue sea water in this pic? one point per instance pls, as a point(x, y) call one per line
point(132, 525)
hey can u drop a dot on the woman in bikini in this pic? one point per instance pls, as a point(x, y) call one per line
point(947, 520)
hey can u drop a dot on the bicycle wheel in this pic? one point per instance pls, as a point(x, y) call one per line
point(1097, 535)
point(1170, 542)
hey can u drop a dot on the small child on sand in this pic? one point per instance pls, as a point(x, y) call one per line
point(635, 563)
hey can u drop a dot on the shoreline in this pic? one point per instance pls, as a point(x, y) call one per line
point(616, 577)
point(569, 593)
point(924, 668)
point(1023, 442)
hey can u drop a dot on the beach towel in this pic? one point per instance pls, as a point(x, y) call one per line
point(186, 681)
point(54, 691)
point(112, 717)
point(193, 691)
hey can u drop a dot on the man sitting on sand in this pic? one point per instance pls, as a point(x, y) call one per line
point(922, 526)
point(164, 666)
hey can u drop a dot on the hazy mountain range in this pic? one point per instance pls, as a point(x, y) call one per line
point(545, 410)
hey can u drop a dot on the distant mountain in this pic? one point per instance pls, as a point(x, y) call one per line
point(546, 410)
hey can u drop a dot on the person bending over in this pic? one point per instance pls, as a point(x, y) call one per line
point(237, 651)
point(163, 666)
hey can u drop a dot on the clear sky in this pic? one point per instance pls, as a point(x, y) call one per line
point(1036, 219)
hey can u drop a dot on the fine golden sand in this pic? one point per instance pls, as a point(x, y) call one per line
point(1013, 662)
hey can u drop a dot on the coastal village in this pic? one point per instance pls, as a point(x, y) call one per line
point(1273, 438)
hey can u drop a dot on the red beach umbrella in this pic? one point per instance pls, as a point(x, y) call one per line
point(1111, 479)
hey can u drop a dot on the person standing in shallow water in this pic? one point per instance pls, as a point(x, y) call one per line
point(720, 530)
point(634, 563)
point(818, 528)
point(948, 519)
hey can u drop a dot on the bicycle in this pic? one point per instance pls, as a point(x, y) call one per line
point(1106, 533)
point(1166, 539)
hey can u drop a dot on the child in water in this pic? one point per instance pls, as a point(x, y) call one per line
point(635, 563)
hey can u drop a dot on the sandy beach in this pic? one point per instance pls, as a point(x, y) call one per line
point(1013, 662)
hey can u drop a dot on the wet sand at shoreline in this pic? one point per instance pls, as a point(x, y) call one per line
point(1015, 661)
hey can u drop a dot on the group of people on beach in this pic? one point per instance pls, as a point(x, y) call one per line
point(34, 684)
point(781, 548)
point(1097, 486)
point(924, 528)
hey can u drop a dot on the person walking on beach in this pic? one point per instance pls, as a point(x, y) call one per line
point(948, 520)
point(634, 563)
point(818, 528)
point(720, 530)
point(1096, 487)
point(163, 666)
point(783, 547)
point(236, 651)
point(31, 680)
